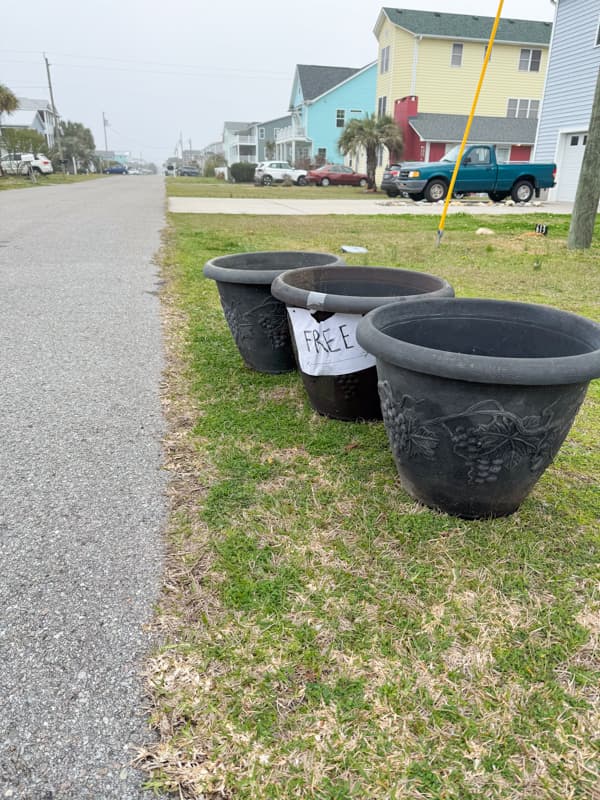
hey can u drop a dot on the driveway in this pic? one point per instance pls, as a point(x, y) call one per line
point(378, 205)
point(82, 490)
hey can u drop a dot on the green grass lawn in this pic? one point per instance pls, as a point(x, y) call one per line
point(326, 637)
point(210, 187)
point(21, 182)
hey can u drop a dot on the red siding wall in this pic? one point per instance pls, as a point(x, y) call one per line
point(403, 109)
point(520, 152)
point(436, 150)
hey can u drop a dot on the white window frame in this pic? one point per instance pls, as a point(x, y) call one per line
point(597, 43)
point(340, 115)
point(523, 108)
point(261, 133)
point(384, 61)
point(382, 106)
point(529, 58)
point(456, 54)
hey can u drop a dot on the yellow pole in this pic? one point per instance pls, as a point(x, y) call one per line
point(488, 53)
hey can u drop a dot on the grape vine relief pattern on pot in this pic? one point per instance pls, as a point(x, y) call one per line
point(270, 315)
point(485, 436)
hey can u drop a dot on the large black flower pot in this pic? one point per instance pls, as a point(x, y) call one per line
point(257, 320)
point(324, 307)
point(478, 395)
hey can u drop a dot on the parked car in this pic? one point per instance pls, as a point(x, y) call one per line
point(337, 175)
point(268, 172)
point(116, 169)
point(479, 172)
point(191, 172)
point(20, 163)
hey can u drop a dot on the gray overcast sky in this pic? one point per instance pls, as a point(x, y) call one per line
point(157, 69)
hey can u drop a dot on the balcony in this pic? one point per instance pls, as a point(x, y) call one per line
point(290, 134)
point(246, 140)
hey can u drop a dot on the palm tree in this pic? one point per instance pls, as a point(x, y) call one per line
point(8, 104)
point(8, 101)
point(369, 134)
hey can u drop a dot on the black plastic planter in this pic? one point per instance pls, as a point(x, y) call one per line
point(478, 395)
point(324, 307)
point(256, 319)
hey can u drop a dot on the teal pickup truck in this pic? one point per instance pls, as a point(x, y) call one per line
point(479, 172)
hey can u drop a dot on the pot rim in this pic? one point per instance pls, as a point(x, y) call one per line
point(298, 297)
point(217, 269)
point(543, 371)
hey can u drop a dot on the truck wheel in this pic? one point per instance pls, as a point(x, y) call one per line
point(522, 191)
point(497, 197)
point(436, 190)
point(392, 192)
point(267, 180)
point(301, 181)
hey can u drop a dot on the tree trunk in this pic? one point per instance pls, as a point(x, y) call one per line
point(587, 197)
point(371, 166)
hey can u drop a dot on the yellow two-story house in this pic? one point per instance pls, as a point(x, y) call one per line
point(428, 69)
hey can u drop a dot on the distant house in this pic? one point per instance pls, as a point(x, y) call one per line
point(323, 100)
point(428, 68)
point(259, 138)
point(37, 115)
point(569, 93)
point(236, 146)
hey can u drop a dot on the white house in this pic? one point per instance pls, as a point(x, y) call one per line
point(34, 114)
point(573, 66)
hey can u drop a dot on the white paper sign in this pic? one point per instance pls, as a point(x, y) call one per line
point(328, 347)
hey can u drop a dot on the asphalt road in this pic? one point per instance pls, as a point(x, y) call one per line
point(81, 488)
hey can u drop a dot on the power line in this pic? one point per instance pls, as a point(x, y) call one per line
point(202, 67)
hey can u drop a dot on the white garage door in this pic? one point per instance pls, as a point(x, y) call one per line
point(573, 147)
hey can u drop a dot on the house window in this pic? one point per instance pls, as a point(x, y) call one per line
point(381, 106)
point(522, 108)
point(484, 53)
point(598, 36)
point(340, 118)
point(574, 141)
point(261, 133)
point(457, 54)
point(384, 62)
point(529, 60)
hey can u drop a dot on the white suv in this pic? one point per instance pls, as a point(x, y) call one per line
point(21, 163)
point(268, 172)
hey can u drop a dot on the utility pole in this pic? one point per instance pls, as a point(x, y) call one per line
point(54, 114)
point(585, 208)
point(105, 125)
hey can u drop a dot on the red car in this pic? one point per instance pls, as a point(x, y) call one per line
point(337, 175)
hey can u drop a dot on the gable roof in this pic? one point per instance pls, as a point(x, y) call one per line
point(235, 126)
point(469, 26)
point(315, 81)
point(32, 104)
point(484, 130)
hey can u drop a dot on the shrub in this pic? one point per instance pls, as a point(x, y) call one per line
point(242, 172)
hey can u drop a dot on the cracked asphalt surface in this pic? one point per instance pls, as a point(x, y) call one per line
point(82, 502)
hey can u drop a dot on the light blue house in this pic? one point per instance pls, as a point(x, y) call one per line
point(573, 66)
point(323, 100)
